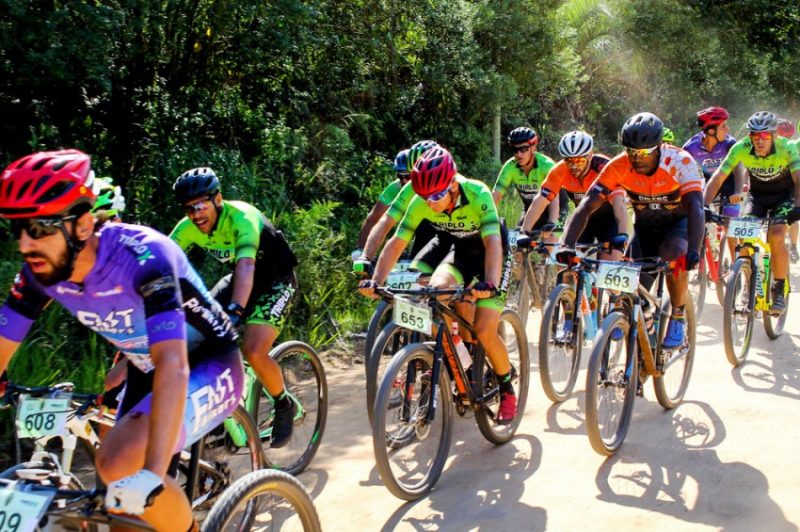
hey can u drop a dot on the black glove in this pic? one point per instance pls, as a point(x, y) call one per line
point(524, 241)
point(235, 313)
point(368, 283)
point(709, 214)
point(566, 255)
point(692, 260)
point(619, 241)
point(793, 216)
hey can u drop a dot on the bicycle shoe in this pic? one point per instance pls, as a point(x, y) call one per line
point(285, 410)
point(564, 332)
point(676, 333)
point(508, 408)
point(778, 305)
point(794, 255)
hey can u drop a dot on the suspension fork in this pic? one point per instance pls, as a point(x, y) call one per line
point(435, 371)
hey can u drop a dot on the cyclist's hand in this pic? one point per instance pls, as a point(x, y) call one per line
point(235, 313)
point(566, 255)
point(692, 260)
point(619, 241)
point(709, 214)
point(524, 241)
point(367, 287)
point(362, 266)
point(483, 290)
point(134, 493)
point(793, 216)
point(735, 199)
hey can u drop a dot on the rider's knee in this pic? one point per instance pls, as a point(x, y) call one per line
point(673, 249)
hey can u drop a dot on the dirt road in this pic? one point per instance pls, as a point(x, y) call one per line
point(726, 459)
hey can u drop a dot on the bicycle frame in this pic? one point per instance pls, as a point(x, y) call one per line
point(758, 251)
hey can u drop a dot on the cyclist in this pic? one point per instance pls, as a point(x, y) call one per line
point(258, 292)
point(430, 246)
point(786, 129)
point(774, 169)
point(668, 136)
point(665, 189)
point(110, 201)
point(463, 208)
point(525, 171)
point(575, 173)
point(136, 288)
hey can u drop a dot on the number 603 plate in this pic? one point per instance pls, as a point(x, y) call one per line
point(618, 276)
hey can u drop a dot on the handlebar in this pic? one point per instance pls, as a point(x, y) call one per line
point(13, 391)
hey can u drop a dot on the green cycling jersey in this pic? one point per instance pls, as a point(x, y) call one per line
point(400, 203)
point(770, 174)
point(527, 185)
point(390, 192)
point(473, 215)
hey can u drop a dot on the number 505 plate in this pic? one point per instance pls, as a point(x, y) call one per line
point(412, 316)
point(617, 276)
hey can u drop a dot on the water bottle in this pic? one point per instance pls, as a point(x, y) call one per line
point(589, 317)
point(461, 348)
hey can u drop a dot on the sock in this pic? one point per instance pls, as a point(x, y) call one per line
point(505, 383)
point(283, 400)
point(678, 313)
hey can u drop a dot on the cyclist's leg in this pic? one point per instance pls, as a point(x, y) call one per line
point(602, 227)
point(214, 389)
point(673, 246)
point(776, 236)
point(430, 249)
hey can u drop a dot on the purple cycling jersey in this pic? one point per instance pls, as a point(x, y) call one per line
point(140, 291)
point(709, 161)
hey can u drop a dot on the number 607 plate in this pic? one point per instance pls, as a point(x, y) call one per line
point(617, 276)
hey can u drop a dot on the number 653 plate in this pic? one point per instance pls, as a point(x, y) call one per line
point(412, 315)
point(618, 276)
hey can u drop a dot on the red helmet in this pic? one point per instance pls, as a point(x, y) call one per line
point(785, 128)
point(711, 116)
point(433, 172)
point(48, 183)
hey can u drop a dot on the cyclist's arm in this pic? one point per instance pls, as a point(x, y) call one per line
point(497, 196)
point(24, 303)
point(577, 222)
point(620, 212)
point(554, 210)
point(693, 203)
point(537, 207)
point(170, 382)
point(389, 257)
point(377, 235)
point(494, 258)
point(243, 280)
point(740, 178)
point(713, 186)
point(378, 210)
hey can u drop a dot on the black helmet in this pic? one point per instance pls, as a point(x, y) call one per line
point(195, 183)
point(522, 135)
point(762, 121)
point(643, 130)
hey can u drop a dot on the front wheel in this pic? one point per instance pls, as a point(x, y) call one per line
point(560, 343)
point(676, 365)
point(281, 500)
point(379, 319)
point(611, 384)
point(698, 282)
point(519, 295)
point(738, 312)
point(304, 379)
point(773, 325)
point(410, 449)
point(512, 333)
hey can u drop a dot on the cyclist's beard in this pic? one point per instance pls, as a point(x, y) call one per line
point(59, 268)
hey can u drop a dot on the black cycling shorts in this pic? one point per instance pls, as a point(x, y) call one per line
point(769, 205)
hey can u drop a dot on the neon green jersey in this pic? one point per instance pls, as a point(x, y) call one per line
point(401, 202)
point(475, 213)
point(770, 174)
point(390, 192)
point(527, 185)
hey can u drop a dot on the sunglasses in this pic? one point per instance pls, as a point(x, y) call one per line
point(640, 152)
point(763, 135)
point(198, 206)
point(38, 227)
point(438, 196)
point(576, 161)
point(521, 149)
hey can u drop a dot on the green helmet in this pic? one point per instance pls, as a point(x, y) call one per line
point(668, 135)
point(110, 201)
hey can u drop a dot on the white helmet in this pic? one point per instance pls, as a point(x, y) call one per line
point(575, 144)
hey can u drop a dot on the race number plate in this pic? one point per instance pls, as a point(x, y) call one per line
point(21, 511)
point(403, 280)
point(743, 228)
point(41, 417)
point(412, 316)
point(401, 266)
point(617, 276)
point(512, 239)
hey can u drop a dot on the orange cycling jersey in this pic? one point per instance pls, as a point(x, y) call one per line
point(657, 196)
point(560, 177)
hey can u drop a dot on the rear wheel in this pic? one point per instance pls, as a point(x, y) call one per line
point(379, 319)
point(723, 259)
point(611, 385)
point(677, 364)
point(512, 333)
point(738, 312)
point(774, 325)
point(560, 343)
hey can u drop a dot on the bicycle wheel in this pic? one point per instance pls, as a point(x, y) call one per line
point(723, 268)
point(512, 332)
point(410, 451)
point(698, 281)
point(737, 312)
point(611, 385)
point(391, 339)
point(381, 316)
point(304, 378)
point(560, 343)
point(671, 386)
point(773, 325)
point(280, 500)
point(519, 296)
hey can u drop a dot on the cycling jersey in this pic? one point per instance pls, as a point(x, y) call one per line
point(709, 161)
point(768, 175)
point(242, 231)
point(655, 198)
point(561, 178)
point(399, 205)
point(527, 185)
point(390, 192)
point(140, 291)
point(473, 216)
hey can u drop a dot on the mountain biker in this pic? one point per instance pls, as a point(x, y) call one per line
point(576, 173)
point(668, 136)
point(786, 129)
point(463, 208)
point(110, 201)
point(525, 171)
point(774, 169)
point(430, 246)
point(258, 292)
point(665, 189)
point(135, 287)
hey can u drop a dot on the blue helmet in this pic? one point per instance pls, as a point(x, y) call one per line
point(401, 161)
